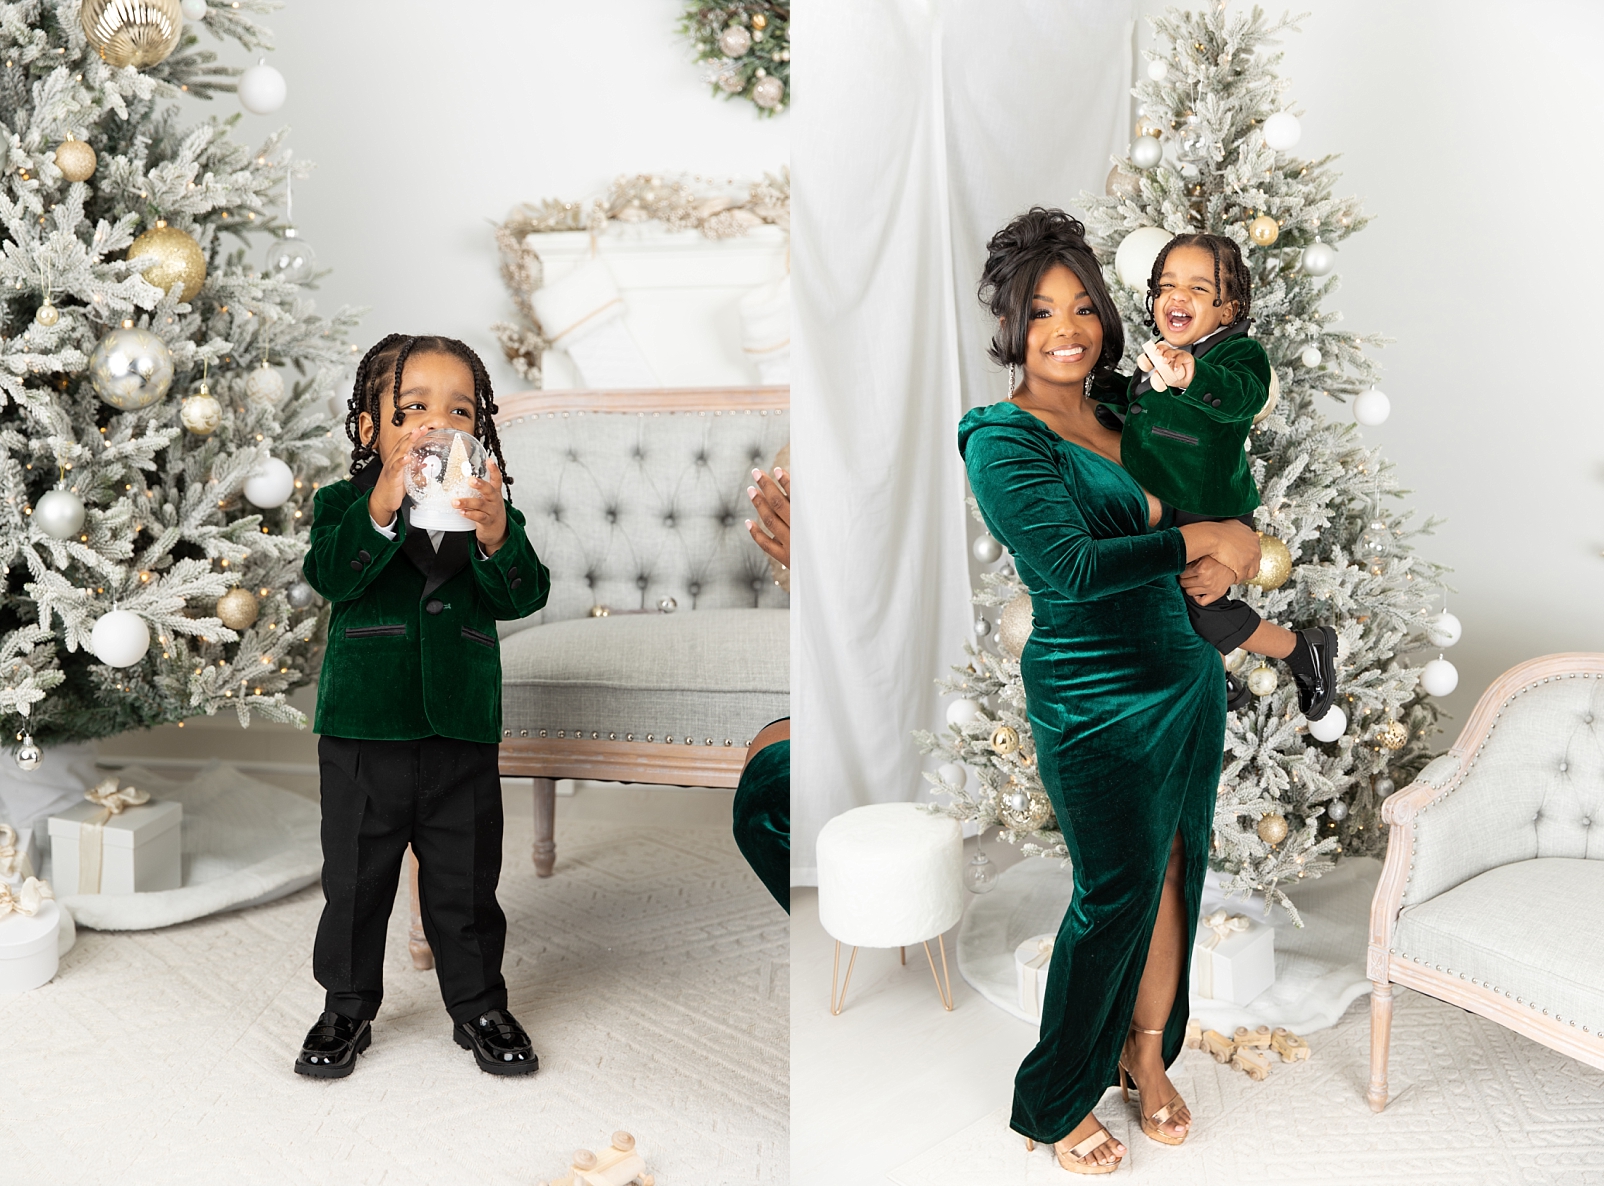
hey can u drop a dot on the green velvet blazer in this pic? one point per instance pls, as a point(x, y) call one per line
point(412, 646)
point(1186, 446)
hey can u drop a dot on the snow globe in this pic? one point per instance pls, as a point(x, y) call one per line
point(440, 468)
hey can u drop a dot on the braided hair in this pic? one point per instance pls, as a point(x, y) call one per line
point(380, 371)
point(1229, 267)
point(1016, 259)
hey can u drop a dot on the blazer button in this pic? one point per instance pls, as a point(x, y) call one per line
point(513, 571)
point(435, 605)
point(516, 581)
point(356, 566)
point(1215, 402)
point(363, 556)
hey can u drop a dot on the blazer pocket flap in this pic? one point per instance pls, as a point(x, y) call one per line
point(398, 630)
point(479, 637)
point(1170, 434)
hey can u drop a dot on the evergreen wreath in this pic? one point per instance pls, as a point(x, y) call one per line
point(746, 45)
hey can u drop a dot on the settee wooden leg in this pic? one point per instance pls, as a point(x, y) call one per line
point(545, 853)
point(417, 943)
point(1380, 1038)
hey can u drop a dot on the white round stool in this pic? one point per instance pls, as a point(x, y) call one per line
point(890, 875)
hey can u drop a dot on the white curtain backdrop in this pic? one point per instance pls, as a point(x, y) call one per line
point(919, 128)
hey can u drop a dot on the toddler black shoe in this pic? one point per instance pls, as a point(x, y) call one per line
point(1237, 696)
point(332, 1045)
point(498, 1042)
point(1314, 667)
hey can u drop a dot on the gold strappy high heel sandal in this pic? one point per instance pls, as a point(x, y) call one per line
point(1150, 1123)
point(1075, 1165)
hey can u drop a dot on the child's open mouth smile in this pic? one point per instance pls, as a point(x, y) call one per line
point(1177, 318)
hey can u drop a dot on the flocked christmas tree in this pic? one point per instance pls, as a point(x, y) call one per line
point(1213, 152)
point(156, 468)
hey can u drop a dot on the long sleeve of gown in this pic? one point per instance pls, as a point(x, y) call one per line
point(1030, 505)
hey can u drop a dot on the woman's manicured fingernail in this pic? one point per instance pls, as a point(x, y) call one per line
point(751, 492)
point(757, 473)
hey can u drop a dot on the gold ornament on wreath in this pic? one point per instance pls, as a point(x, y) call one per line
point(1394, 735)
point(238, 609)
point(1005, 740)
point(76, 160)
point(137, 33)
point(1013, 630)
point(746, 48)
point(179, 259)
point(1275, 563)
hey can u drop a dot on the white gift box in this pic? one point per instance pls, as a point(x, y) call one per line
point(1030, 972)
point(1235, 968)
point(29, 953)
point(27, 862)
point(140, 851)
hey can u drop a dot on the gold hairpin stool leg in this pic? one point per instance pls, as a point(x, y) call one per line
point(836, 1004)
point(945, 991)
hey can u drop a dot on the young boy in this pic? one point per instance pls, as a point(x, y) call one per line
point(1184, 433)
point(409, 708)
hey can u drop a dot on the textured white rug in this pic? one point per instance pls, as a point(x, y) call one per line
point(652, 971)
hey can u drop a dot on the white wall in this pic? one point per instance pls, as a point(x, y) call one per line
point(1470, 131)
point(428, 121)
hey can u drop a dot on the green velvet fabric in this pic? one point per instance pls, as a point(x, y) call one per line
point(762, 818)
point(394, 671)
point(1186, 449)
point(1127, 707)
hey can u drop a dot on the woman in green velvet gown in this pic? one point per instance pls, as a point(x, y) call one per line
point(1126, 702)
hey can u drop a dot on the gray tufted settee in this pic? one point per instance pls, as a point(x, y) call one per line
point(636, 500)
point(1492, 894)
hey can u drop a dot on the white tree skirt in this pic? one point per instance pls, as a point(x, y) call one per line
point(1319, 968)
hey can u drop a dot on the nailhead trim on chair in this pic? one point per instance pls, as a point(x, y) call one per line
point(1483, 984)
point(595, 735)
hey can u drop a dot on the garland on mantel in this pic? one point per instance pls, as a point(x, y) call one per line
point(719, 210)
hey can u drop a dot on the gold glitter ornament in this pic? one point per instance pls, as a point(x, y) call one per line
point(768, 93)
point(1013, 631)
point(1122, 183)
point(1005, 739)
point(135, 33)
point(1394, 735)
point(76, 160)
point(1264, 230)
point(238, 609)
point(1025, 811)
point(1275, 563)
point(179, 259)
point(1273, 828)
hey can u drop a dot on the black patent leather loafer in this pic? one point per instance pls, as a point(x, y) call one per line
point(1237, 696)
point(332, 1045)
point(1316, 676)
point(498, 1042)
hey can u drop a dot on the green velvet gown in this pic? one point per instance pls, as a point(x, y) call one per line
point(1127, 708)
point(761, 818)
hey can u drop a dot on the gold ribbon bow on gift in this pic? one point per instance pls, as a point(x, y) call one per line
point(1224, 926)
point(33, 894)
point(13, 860)
point(92, 832)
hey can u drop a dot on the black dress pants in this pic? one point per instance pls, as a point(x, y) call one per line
point(1227, 623)
point(443, 797)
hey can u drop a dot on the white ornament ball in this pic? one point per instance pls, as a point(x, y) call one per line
point(1262, 681)
point(1146, 152)
point(987, 550)
point(1319, 258)
point(262, 89)
point(1133, 259)
point(1331, 726)
point(1372, 407)
point(963, 712)
point(1337, 809)
point(264, 387)
point(1282, 131)
point(1444, 630)
point(953, 775)
point(59, 514)
point(120, 638)
point(734, 41)
point(1311, 356)
point(270, 484)
point(1439, 677)
point(1158, 69)
point(193, 10)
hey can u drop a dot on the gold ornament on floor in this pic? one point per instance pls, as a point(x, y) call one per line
point(1272, 828)
point(179, 259)
point(1005, 739)
point(1275, 563)
point(1262, 681)
point(1013, 631)
point(1264, 230)
point(75, 159)
point(1394, 735)
point(1020, 810)
point(201, 414)
point(238, 609)
point(135, 33)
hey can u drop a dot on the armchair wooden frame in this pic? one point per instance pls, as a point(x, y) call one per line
point(1400, 812)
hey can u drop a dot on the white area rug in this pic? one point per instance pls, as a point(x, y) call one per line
point(1319, 968)
point(651, 971)
point(244, 842)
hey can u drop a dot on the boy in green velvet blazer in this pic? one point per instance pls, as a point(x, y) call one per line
point(1186, 415)
point(409, 708)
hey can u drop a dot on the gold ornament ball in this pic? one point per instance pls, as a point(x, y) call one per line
point(1148, 127)
point(1121, 183)
point(47, 314)
point(1262, 681)
point(201, 414)
point(1234, 660)
point(135, 33)
point(759, 21)
point(76, 160)
point(1005, 739)
point(1275, 563)
point(1272, 828)
point(1013, 631)
point(179, 259)
point(237, 609)
point(768, 93)
point(1264, 230)
point(1394, 735)
point(1031, 815)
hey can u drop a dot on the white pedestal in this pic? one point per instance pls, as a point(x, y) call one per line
point(29, 953)
point(141, 852)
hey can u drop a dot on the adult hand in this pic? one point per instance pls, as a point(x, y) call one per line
point(772, 498)
point(386, 497)
point(1233, 544)
point(1207, 580)
point(487, 509)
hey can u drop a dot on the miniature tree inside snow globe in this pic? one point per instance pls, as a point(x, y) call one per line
point(441, 468)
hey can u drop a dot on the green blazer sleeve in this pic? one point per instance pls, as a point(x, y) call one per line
point(1113, 389)
point(347, 554)
point(514, 582)
point(1029, 505)
point(1236, 373)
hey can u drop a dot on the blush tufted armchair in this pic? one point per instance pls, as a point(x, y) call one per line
point(1491, 894)
point(633, 498)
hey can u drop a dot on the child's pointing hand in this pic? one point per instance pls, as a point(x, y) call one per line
point(487, 509)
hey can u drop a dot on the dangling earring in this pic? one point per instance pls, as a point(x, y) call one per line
point(1087, 386)
point(1012, 385)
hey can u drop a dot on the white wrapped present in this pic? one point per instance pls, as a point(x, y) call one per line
point(1030, 971)
point(1233, 958)
point(119, 842)
point(19, 855)
point(30, 925)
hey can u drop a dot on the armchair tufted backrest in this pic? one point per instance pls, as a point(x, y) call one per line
point(631, 497)
point(1530, 781)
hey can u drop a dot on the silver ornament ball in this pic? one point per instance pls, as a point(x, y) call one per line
point(300, 595)
point(1383, 786)
point(1319, 258)
point(982, 627)
point(59, 514)
point(131, 369)
point(1337, 810)
point(734, 41)
point(28, 754)
point(986, 549)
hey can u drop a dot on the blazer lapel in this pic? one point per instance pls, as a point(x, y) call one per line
point(437, 567)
